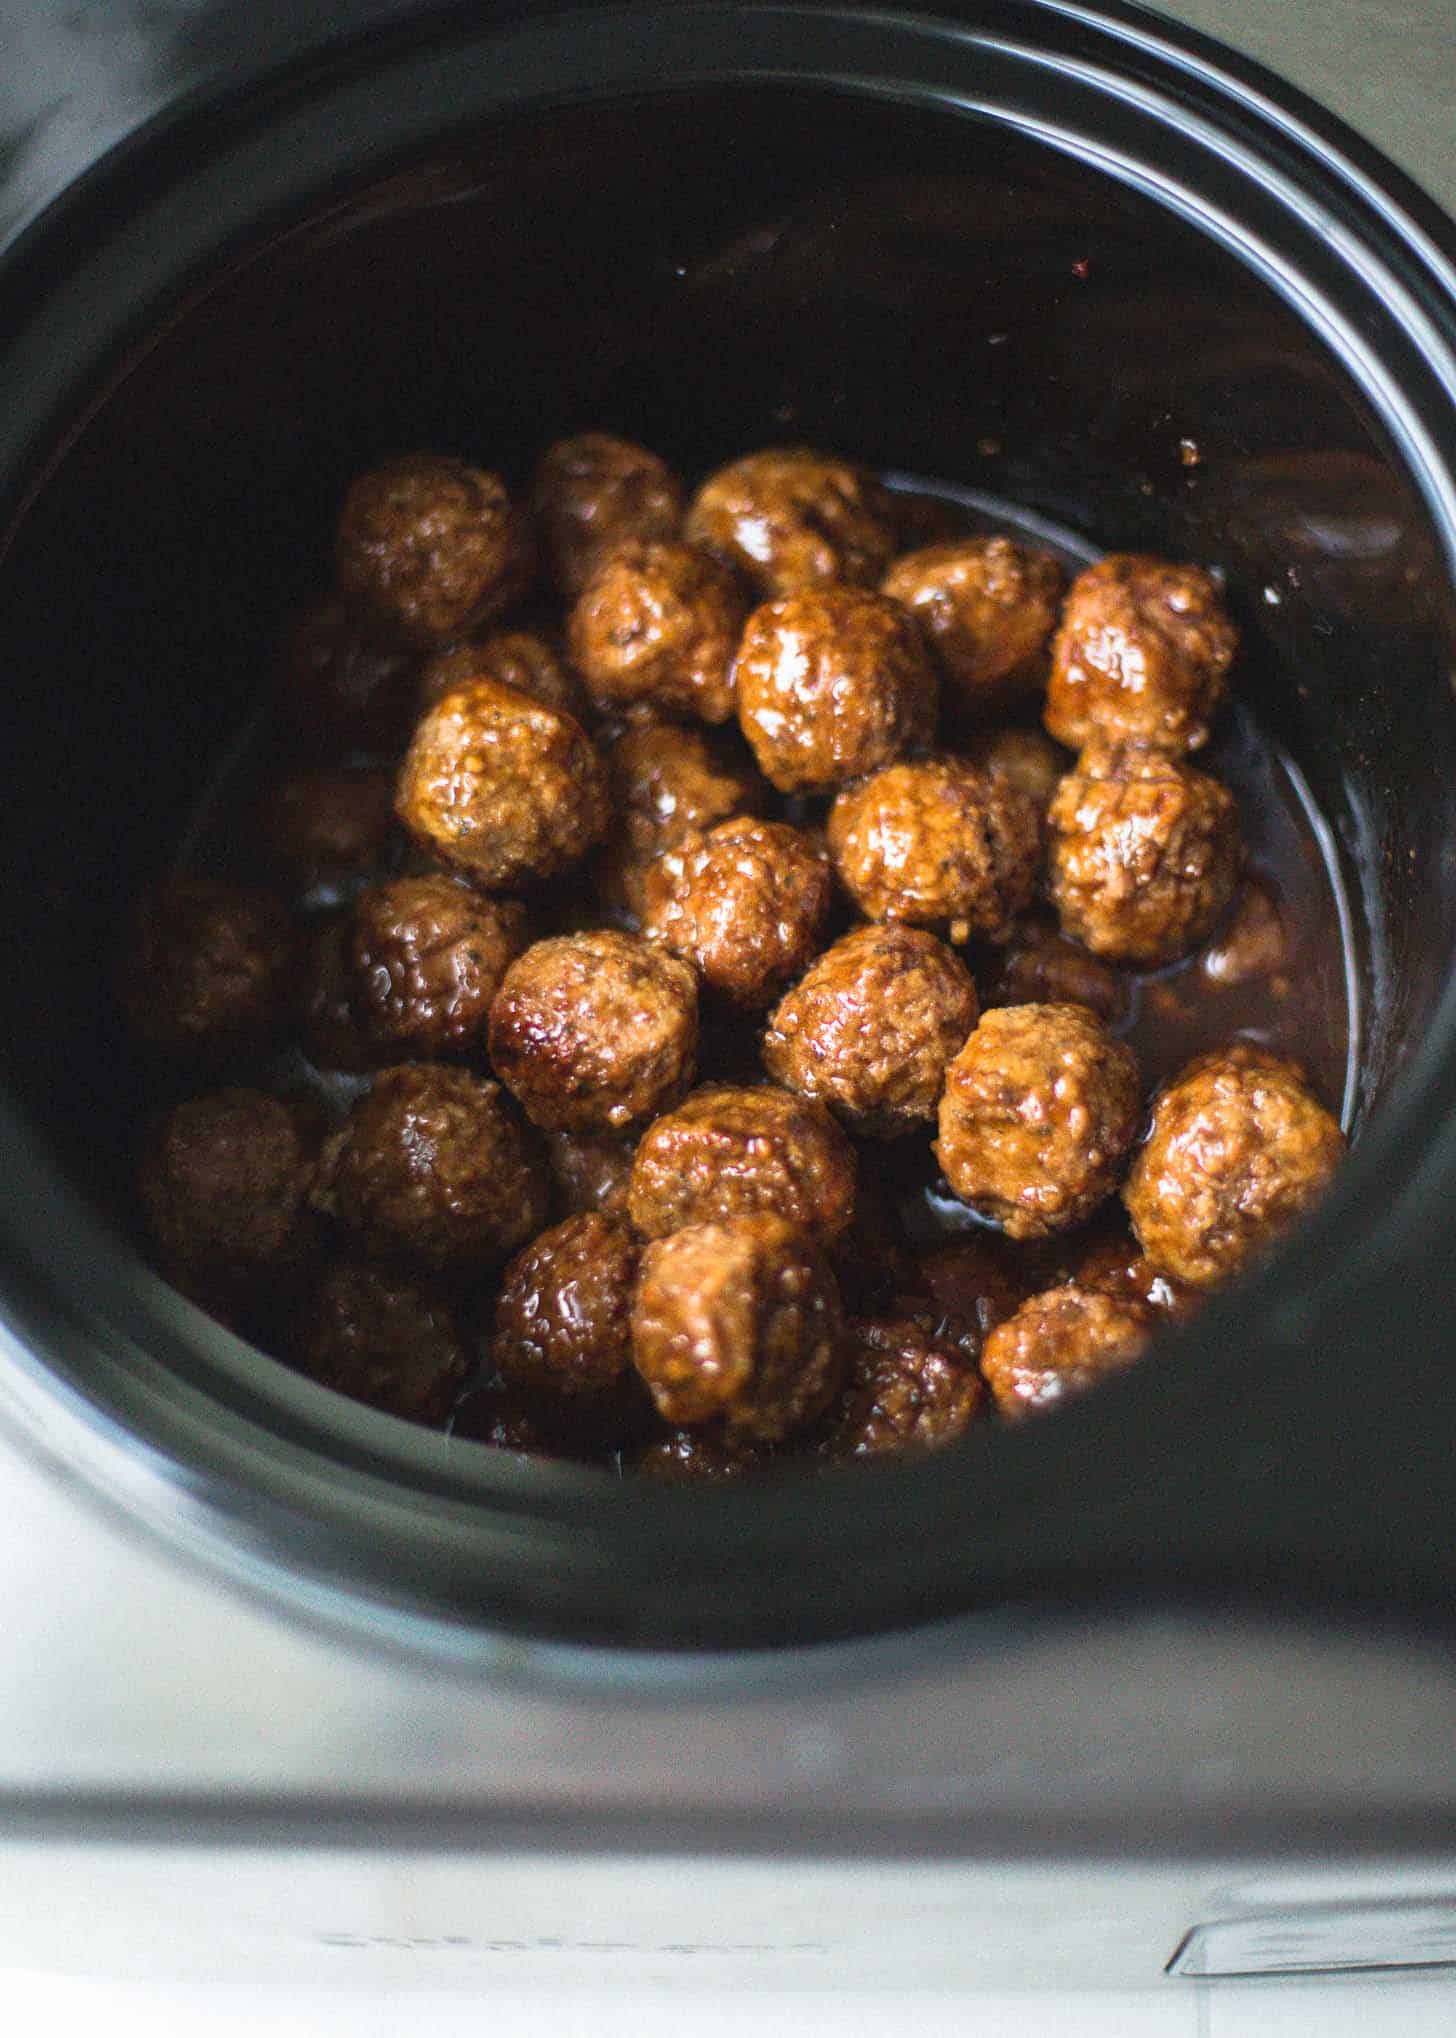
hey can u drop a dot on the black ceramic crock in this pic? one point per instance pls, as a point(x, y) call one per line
point(1029, 248)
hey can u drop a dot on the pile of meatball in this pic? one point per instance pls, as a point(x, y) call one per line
point(643, 870)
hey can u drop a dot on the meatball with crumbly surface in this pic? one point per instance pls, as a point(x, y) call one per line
point(871, 1028)
point(1039, 1113)
point(424, 958)
point(1142, 653)
point(431, 548)
point(790, 518)
point(988, 607)
point(1041, 967)
point(340, 689)
point(937, 843)
point(1059, 1343)
point(207, 970)
point(320, 825)
point(1144, 853)
point(655, 628)
point(501, 788)
point(832, 683)
point(1031, 761)
point(595, 1032)
point(666, 783)
point(595, 492)
point(562, 1322)
point(1239, 1147)
point(522, 659)
point(730, 1151)
point(738, 1321)
point(746, 904)
point(589, 1173)
point(432, 1168)
point(381, 1338)
point(904, 1391)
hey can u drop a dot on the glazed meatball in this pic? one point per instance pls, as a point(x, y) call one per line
point(1116, 1267)
point(595, 1032)
point(595, 492)
point(1142, 652)
point(431, 548)
point(832, 683)
point(206, 971)
point(562, 1323)
point(501, 788)
point(988, 607)
point(521, 659)
point(1031, 761)
point(224, 1184)
point(701, 1457)
point(903, 1392)
point(423, 959)
point(871, 1028)
point(791, 518)
point(1041, 967)
point(1239, 1147)
point(1059, 1343)
point(667, 782)
point(431, 1168)
point(1039, 1113)
point(1144, 853)
point(729, 1152)
point(331, 825)
point(937, 843)
point(341, 690)
point(746, 904)
point(373, 1334)
point(656, 627)
point(738, 1321)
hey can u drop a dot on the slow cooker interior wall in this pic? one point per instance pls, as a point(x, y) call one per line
point(706, 272)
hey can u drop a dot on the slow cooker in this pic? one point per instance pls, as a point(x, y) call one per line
point(1171, 1674)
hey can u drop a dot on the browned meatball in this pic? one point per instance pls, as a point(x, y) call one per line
point(206, 970)
point(1144, 853)
point(1239, 1147)
point(562, 1323)
point(791, 518)
point(729, 1152)
point(746, 904)
point(431, 1167)
point(1142, 652)
point(988, 606)
point(1031, 761)
point(224, 1183)
point(1039, 1113)
point(1059, 1343)
point(667, 782)
point(738, 1321)
point(1116, 1267)
point(656, 627)
point(832, 683)
point(1041, 967)
point(588, 1173)
point(339, 689)
point(594, 492)
point(328, 824)
point(502, 788)
point(375, 1335)
point(701, 1457)
point(903, 1392)
point(423, 959)
point(595, 1032)
point(432, 548)
point(522, 659)
point(937, 843)
point(871, 1028)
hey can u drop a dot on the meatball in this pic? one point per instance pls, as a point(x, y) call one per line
point(973, 1288)
point(738, 1321)
point(1031, 761)
point(431, 548)
point(431, 1168)
point(373, 1334)
point(332, 825)
point(339, 689)
point(903, 1391)
point(729, 1152)
point(1144, 853)
point(502, 788)
point(521, 659)
point(1059, 1343)
point(224, 1184)
point(667, 782)
point(206, 971)
point(832, 683)
point(871, 1028)
point(1239, 1147)
point(988, 607)
point(595, 1032)
point(423, 959)
point(938, 843)
point(1142, 652)
point(595, 492)
point(746, 904)
point(1116, 1267)
point(1039, 1112)
point(700, 1457)
point(655, 627)
point(1041, 967)
point(562, 1323)
point(588, 1173)
point(791, 518)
